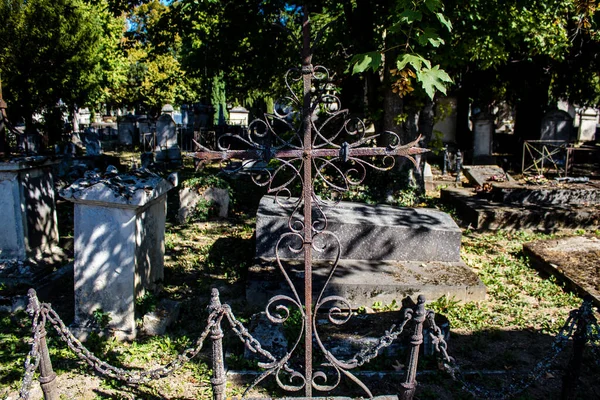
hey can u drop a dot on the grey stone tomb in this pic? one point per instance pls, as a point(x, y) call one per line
point(28, 207)
point(119, 245)
point(167, 149)
point(387, 253)
point(556, 125)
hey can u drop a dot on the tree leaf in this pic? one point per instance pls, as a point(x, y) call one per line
point(362, 62)
point(444, 21)
point(414, 60)
point(433, 5)
point(433, 79)
point(410, 16)
point(430, 35)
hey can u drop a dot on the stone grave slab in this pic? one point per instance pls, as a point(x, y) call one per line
point(575, 260)
point(388, 253)
point(368, 232)
point(480, 174)
point(484, 213)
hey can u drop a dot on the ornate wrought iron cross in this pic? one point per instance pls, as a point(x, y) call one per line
point(310, 151)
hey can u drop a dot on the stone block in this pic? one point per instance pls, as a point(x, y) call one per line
point(29, 225)
point(156, 322)
point(119, 243)
point(189, 198)
point(480, 174)
point(573, 260)
point(483, 213)
point(366, 232)
point(364, 282)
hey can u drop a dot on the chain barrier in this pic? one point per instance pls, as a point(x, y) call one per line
point(32, 361)
point(44, 313)
point(582, 315)
point(367, 354)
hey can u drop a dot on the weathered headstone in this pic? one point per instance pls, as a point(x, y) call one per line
point(387, 253)
point(588, 125)
point(119, 245)
point(93, 147)
point(189, 198)
point(556, 125)
point(238, 116)
point(167, 149)
point(483, 130)
point(29, 224)
point(126, 128)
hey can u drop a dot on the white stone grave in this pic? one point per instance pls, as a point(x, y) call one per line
point(28, 206)
point(119, 245)
point(588, 124)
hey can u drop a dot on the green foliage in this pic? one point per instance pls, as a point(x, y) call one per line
point(146, 303)
point(100, 319)
point(51, 51)
point(378, 306)
point(415, 23)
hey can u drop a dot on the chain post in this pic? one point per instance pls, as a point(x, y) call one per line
point(47, 375)
point(458, 164)
point(218, 380)
point(410, 385)
point(445, 161)
point(571, 378)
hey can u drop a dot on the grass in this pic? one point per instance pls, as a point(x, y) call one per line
point(518, 296)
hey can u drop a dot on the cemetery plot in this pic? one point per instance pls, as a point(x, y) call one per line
point(575, 260)
point(499, 202)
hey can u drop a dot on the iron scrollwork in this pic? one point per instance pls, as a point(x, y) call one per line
point(309, 141)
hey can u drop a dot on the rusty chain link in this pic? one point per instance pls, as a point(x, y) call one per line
point(44, 313)
point(448, 364)
point(367, 354)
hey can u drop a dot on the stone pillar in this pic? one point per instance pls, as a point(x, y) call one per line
point(28, 206)
point(588, 122)
point(119, 245)
point(483, 131)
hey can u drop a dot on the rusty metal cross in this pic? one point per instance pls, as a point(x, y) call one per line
point(307, 145)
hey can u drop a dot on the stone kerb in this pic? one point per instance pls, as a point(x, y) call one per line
point(119, 245)
point(29, 224)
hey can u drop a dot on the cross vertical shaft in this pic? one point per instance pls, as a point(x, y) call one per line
point(307, 71)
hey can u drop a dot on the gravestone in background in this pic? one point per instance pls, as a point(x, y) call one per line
point(29, 225)
point(167, 149)
point(93, 147)
point(588, 125)
point(556, 125)
point(119, 245)
point(483, 131)
point(126, 129)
